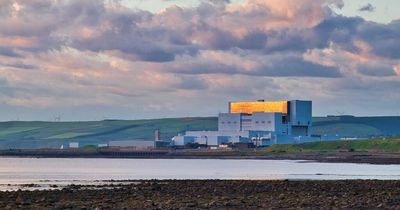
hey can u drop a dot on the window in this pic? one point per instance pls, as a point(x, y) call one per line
point(222, 122)
point(256, 122)
point(229, 122)
point(234, 122)
point(263, 122)
point(269, 122)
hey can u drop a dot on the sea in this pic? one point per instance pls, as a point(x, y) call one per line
point(49, 173)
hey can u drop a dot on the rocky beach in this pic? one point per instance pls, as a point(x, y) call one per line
point(212, 194)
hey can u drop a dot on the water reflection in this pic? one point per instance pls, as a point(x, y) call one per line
point(48, 172)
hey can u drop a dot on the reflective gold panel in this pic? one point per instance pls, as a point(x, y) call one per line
point(259, 106)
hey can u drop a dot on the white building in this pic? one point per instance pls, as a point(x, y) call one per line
point(261, 123)
point(74, 145)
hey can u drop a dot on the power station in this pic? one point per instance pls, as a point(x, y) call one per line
point(260, 123)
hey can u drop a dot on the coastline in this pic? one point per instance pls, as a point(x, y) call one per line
point(213, 194)
point(326, 157)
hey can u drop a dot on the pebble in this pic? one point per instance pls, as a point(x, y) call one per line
point(215, 194)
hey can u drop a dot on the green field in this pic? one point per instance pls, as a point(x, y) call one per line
point(19, 134)
point(390, 145)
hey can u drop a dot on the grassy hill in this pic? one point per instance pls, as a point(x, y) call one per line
point(391, 145)
point(18, 134)
point(357, 126)
point(53, 134)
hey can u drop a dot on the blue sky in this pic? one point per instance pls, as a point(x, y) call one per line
point(385, 10)
point(92, 59)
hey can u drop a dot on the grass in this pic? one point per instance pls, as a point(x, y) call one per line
point(391, 145)
point(88, 147)
point(14, 130)
point(68, 135)
point(347, 129)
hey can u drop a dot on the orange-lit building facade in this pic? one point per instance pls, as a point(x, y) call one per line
point(259, 106)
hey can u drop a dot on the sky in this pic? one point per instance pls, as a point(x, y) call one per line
point(132, 59)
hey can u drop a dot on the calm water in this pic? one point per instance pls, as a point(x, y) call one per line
point(46, 171)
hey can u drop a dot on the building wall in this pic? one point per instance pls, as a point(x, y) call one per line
point(132, 143)
point(300, 131)
point(217, 133)
point(301, 118)
point(301, 113)
point(229, 122)
point(267, 122)
point(183, 140)
point(286, 129)
point(246, 121)
point(250, 107)
point(212, 137)
point(216, 140)
point(201, 140)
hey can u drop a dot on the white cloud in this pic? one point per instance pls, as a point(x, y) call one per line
point(86, 53)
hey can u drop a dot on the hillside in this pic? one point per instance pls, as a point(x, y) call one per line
point(18, 134)
point(389, 145)
point(53, 134)
point(350, 126)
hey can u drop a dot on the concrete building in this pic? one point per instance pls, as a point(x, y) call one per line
point(261, 123)
point(74, 145)
point(134, 144)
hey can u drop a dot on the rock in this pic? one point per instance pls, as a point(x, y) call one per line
point(215, 194)
point(191, 205)
point(231, 203)
point(9, 206)
point(26, 202)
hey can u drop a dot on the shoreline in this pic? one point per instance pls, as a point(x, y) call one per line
point(325, 157)
point(214, 194)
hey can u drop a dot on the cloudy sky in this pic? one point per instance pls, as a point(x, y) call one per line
point(131, 59)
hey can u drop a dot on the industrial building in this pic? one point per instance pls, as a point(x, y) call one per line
point(260, 123)
point(132, 144)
